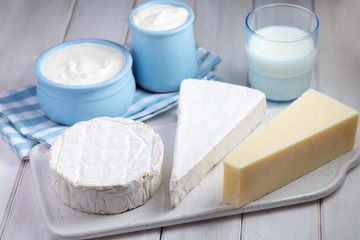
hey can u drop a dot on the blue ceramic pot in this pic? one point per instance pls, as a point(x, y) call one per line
point(162, 59)
point(68, 104)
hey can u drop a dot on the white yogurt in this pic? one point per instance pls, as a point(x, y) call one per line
point(83, 64)
point(160, 17)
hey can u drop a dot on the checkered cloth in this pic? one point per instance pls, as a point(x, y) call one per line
point(24, 124)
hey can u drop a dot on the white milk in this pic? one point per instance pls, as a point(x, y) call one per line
point(83, 64)
point(278, 65)
point(160, 17)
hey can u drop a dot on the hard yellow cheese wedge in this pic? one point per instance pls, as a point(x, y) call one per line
point(312, 131)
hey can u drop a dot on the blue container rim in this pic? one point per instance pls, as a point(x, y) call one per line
point(312, 33)
point(180, 28)
point(39, 62)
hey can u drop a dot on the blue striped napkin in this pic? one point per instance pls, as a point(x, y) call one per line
point(24, 124)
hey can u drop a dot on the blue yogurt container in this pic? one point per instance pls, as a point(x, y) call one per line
point(162, 59)
point(68, 104)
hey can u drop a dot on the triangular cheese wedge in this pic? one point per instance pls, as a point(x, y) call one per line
point(213, 117)
point(312, 131)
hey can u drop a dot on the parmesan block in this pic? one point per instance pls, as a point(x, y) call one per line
point(213, 117)
point(312, 131)
point(106, 165)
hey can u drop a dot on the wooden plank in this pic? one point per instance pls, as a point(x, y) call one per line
point(26, 213)
point(24, 35)
point(293, 222)
point(151, 234)
point(11, 168)
point(220, 228)
point(339, 51)
point(105, 19)
point(309, 4)
point(28, 28)
point(223, 31)
point(340, 211)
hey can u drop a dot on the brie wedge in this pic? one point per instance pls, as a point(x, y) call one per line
point(213, 118)
point(106, 165)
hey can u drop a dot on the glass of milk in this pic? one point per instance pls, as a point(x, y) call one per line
point(163, 45)
point(281, 46)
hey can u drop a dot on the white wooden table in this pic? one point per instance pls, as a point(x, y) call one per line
point(28, 27)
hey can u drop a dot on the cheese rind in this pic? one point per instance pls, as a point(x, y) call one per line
point(213, 117)
point(106, 165)
point(312, 131)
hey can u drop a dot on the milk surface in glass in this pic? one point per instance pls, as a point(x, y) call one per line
point(280, 59)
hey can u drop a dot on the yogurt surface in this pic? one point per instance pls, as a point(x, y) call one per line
point(160, 17)
point(83, 64)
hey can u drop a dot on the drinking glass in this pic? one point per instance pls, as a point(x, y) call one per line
point(281, 47)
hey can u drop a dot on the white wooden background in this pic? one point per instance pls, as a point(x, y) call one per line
point(28, 27)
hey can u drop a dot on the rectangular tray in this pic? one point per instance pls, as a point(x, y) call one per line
point(203, 202)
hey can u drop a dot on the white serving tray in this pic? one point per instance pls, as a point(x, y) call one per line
point(203, 202)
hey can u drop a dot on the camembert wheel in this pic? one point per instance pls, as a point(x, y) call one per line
point(106, 165)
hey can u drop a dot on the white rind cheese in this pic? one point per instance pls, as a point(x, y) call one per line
point(213, 117)
point(106, 165)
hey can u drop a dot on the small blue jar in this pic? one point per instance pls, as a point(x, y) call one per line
point(162, 59)
point(68, 104)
